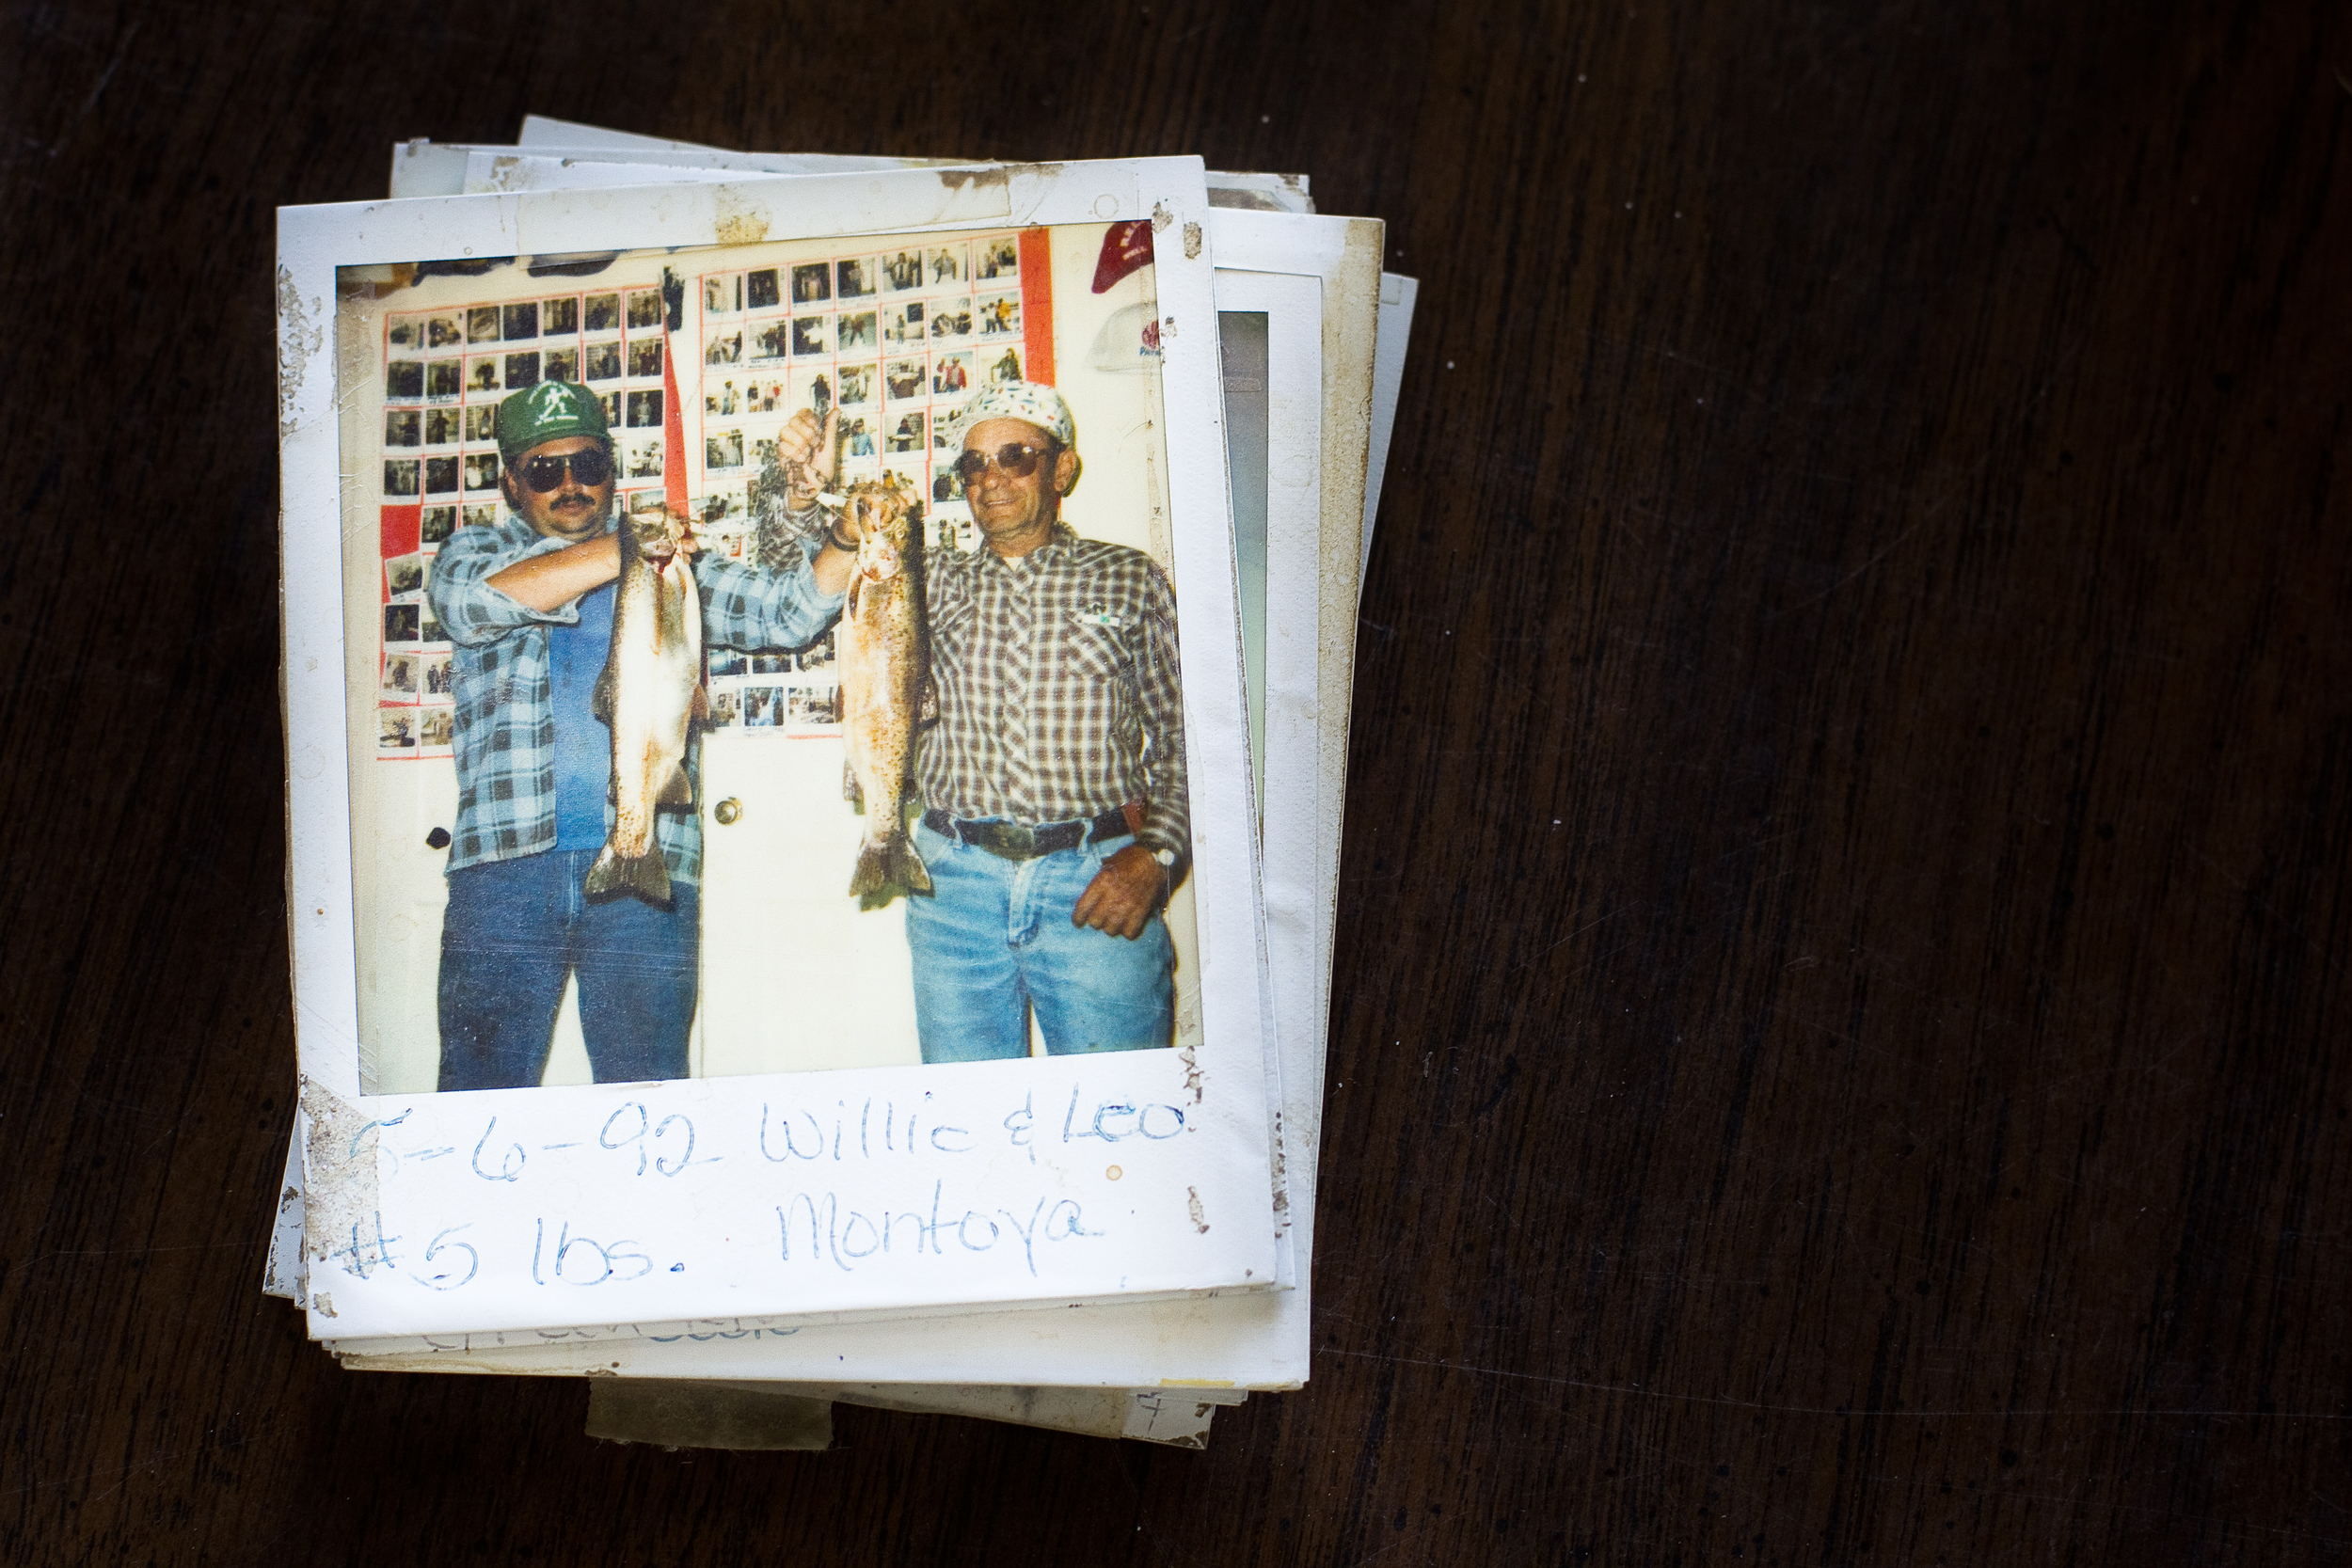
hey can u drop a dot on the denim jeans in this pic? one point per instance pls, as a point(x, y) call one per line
point(516, 928)
point(994, 940)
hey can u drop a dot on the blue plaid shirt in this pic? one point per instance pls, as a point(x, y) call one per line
point(499, 669)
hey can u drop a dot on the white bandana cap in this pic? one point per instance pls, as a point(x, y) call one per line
point(1030, 402)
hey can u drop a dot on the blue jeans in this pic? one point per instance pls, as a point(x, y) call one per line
point(994, 940)
point(516, 928)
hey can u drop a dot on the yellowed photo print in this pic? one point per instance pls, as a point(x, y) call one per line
point(825, 714)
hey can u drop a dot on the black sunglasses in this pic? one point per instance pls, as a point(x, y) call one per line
point(591, 468)
point(1016, 458)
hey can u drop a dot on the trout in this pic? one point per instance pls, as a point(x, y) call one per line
point(883, 661)
point(650, 693)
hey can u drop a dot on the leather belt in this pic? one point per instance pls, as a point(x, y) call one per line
point(1013, 842)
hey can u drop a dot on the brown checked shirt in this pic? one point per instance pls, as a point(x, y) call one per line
point(1059, 691)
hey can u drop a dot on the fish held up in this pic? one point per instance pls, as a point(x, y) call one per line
point(651, 694)
point(884, 657)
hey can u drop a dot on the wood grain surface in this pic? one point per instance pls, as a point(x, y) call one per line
point(1838, 1041)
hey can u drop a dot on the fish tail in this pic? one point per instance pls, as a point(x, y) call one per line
point(874, 867)
point(912, 873)
point(647, 876)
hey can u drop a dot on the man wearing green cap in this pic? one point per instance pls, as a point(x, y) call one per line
point(527, 602)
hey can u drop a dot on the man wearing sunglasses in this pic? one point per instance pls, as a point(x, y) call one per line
point(527, 602)
point(1056, 820)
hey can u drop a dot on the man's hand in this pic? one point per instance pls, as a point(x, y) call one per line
point(811, 455)
point(1123, 894)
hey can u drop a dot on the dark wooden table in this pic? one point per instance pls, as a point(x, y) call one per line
point(1837, 1050)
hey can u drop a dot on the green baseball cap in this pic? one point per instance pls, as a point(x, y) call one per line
point(549, 412)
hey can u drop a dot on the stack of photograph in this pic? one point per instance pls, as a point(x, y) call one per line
point(816, 700)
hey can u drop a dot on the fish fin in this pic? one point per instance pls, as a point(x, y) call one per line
point(648, 876)
point(679, 791)
point(875, 866)
point(701, 709)
point(600, 697)
point(851, 790)
point(912, 874)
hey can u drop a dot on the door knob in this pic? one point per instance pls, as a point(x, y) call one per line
point(727, 811)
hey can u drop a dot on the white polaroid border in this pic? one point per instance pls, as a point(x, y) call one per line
point(935, 1188)
point(1259, 1342)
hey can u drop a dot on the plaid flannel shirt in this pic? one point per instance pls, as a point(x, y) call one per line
point(499, 669)
point(1060, 697)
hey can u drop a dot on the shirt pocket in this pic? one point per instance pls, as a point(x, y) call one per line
point(1098, 646)
point(950, 632)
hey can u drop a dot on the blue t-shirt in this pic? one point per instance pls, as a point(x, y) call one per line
point(584, 744)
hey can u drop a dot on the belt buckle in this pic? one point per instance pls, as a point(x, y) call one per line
point(1018, 841)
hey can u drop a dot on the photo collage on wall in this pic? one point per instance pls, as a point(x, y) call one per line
point(444, 373)
point(898, 342)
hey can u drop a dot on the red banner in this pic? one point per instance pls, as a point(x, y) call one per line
point(1037, 305)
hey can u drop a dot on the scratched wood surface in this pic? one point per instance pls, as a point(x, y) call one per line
point(1837, 1045)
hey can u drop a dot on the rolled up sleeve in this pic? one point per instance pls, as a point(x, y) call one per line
point(747, 608)
point(473, 613)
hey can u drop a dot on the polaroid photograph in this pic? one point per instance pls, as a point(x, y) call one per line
point(644, 309)
point(601, 313)
point(482, 423)
point(400, 478)
point(559, 317)
point(848, 906)
point(406, 332)
point(400, 428)
point(645, 357)
point(396, 730)
point(905, 324)
point(998, 315)
point(441, 378)
point(856, 331)
point(482, 375)
point(441, 426)
point(519, 319)
point(996, 258)
point(481, 325)
point(723, 296)
point(603, 362)
point(436, 727)
point(405, 378)
point(812, 335)
point(761, 291)
point(902, 270)
point(440, 475)
point(812, 283)
point(443, 331)
point(771, 339)
point(404, 575)
point(437, 523)
point(400, 676)
point(436, 676)
point(560, 364)
point(952, 318)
